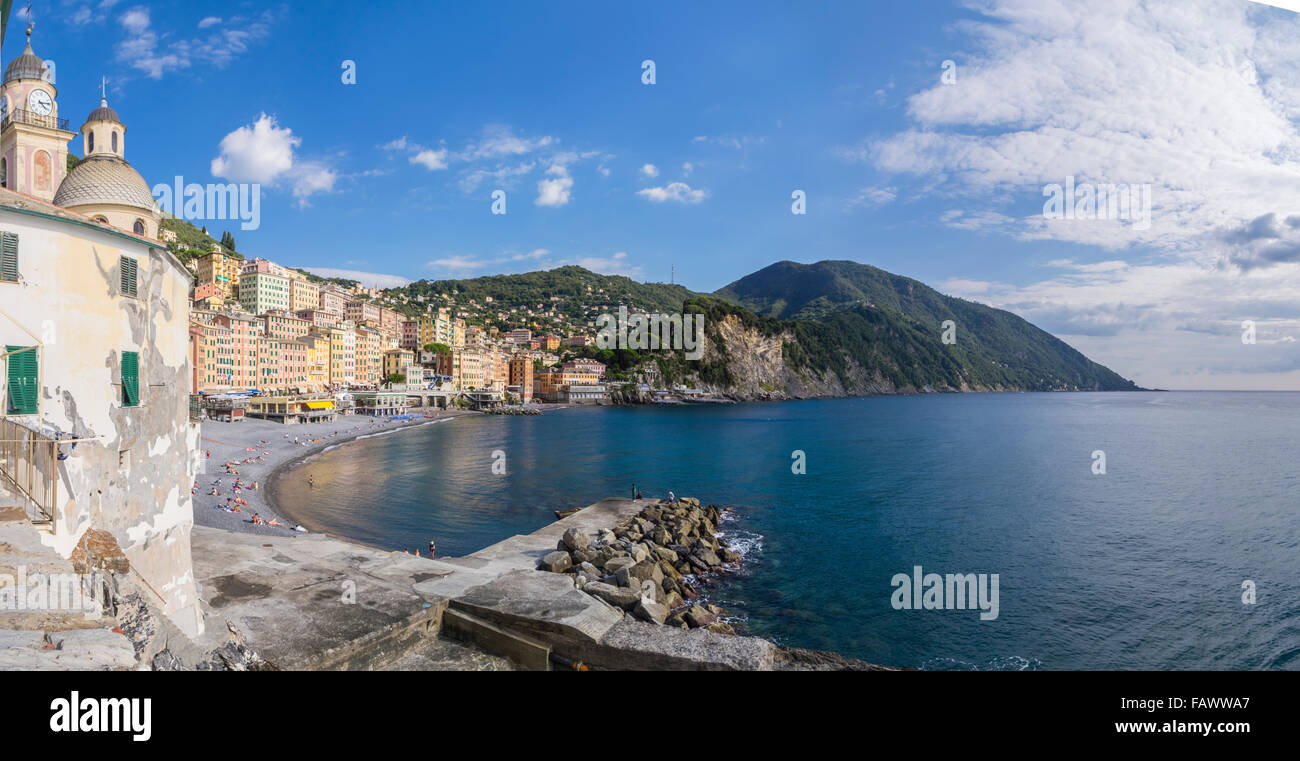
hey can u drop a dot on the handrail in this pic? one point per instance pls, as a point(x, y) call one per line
point(29, 462)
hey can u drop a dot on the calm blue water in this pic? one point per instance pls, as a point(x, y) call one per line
point(1140, 568)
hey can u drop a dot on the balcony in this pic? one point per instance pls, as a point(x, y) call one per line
point(23, 116)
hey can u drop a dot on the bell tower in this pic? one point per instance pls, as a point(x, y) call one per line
point(33, 139)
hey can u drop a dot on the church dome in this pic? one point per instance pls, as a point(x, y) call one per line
point(104, 179)
point(103, 114)
point(25, 66)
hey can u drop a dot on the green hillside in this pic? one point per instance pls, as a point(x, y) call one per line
point(844, 311)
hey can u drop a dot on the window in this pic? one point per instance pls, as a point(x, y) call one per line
point(4, 173)
point(22, 381)
point(138, 227)
point(90, 141)
point(130, 379)
point(8, 258)
point(128, 267)
point(114, 141)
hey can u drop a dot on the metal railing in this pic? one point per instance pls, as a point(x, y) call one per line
point(29, 462)
point(23, 116)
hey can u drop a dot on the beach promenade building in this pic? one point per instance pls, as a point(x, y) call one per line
point(379, 403)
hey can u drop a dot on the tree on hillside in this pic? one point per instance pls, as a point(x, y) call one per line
point(438, 348)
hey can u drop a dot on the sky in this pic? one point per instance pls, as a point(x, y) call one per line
point(925, 138)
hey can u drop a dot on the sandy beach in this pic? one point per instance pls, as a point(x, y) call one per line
point(256, 448)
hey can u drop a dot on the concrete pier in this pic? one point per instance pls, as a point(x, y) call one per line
point(313, 602)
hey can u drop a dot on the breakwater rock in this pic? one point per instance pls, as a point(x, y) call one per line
point(513, 411)
point(651, 565)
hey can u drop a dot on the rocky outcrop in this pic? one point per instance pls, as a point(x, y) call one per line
point(653, 564)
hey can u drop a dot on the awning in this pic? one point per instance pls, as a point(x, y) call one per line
point(320, 405)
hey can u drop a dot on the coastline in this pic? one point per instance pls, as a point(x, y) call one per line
point(228, 442)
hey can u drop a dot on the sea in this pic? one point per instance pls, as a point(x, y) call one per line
point(1145, 530)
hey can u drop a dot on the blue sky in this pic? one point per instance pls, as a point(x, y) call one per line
point(938, 180)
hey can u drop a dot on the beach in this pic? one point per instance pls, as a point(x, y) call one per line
point(257, 449)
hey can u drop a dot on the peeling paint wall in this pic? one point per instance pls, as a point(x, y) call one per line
point(134, 478)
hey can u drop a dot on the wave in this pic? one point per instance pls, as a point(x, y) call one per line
point(1000, 663)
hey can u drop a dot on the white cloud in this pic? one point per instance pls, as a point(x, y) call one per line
point(264, 152)
point(1197, 98)
point(687, 168)
point(368, 279)
point(649, 170)
point(145, 50)
point(616, 264)
point(873, 196)
point(555, 189)
point(1191, 96)
point(679, 192)
point(430, 159)
point(258, 152)
point(499, 141)
point(461, 265)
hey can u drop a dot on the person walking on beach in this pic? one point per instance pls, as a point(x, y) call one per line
point(431, 549)
point(311, 482)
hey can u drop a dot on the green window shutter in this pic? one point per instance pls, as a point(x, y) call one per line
point(130, 379)
point(8, 257)
point(128, 268)
point(22, 382)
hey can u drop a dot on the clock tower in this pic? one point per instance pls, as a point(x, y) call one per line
point(33, 139)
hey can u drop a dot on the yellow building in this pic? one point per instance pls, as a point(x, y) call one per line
point(318, 360)
point(398, 362)
point(303, 294)
point(222, 270)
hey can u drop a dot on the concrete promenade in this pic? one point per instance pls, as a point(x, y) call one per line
point(313, 602)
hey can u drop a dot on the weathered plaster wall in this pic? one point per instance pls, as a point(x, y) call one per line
point(134, 478)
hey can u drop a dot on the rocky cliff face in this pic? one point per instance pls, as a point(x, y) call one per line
point(759, 370)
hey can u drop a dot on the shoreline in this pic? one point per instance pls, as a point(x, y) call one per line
point(275, 444)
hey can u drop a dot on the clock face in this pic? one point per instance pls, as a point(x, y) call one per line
point(40, 103)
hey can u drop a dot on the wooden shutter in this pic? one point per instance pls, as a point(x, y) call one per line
point(22, 381)
point(128, 267)
point(130, 379)
point(8, 257)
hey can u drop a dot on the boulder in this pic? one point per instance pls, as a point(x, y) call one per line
point(616, 564)
point(574, 539)
point(650, 611)
point(556, 562)
point(619, 597)
point(698, 616)
point(708, 557)
point(665, 554)
point(669, 571)
point(647, 570)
